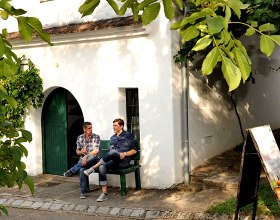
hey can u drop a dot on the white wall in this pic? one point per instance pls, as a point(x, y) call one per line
point(213, 125)
point(96, 71)
point(259, 103)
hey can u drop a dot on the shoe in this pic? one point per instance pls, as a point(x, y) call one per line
point(88, 171)
point(102, 197)
point(83, 196)
point(68, 173)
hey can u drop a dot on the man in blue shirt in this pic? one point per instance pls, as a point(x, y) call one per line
point(122, 148)
point(87, 148)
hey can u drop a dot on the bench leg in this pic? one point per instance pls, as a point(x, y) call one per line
point(137, 179)
point(123, 185)
point(87, 182)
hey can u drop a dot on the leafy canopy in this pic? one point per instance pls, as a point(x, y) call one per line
point(206, 29)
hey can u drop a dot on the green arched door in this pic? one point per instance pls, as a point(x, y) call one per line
point(54, 121)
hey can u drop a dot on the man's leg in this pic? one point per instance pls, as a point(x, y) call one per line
point(74, 169)
point(103, 183)
point(77, 166)
point(84, 181)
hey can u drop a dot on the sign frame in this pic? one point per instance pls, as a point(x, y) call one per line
point(260, 150)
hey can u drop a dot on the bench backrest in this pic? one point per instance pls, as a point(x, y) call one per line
point(104, 146)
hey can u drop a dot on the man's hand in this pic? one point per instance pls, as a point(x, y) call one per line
point(122, 155)
point(83, 150)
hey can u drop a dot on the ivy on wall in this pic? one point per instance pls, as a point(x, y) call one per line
point(26, 87)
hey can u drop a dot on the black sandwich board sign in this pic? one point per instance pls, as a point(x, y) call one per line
point(259, 150)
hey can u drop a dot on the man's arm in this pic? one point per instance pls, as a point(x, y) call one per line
point(133, 149)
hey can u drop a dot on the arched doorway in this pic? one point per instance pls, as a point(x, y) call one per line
point(62, 121)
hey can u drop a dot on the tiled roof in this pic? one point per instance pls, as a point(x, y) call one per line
point(86, 26)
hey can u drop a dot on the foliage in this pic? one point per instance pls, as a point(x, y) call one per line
point(209, 26)
point(263, 11)
point(14, 100)
point(267, 203)
point(26, 87)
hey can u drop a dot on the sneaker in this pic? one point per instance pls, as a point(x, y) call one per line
point(67, 173)
point(88, 171)
point(102, 197)
point(83, 196)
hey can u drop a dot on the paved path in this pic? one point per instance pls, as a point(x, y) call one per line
point(61, 195)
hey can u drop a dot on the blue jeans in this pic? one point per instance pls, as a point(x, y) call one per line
point(84, 183)
point(110, 161)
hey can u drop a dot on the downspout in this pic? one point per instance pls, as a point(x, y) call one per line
point(185, 130)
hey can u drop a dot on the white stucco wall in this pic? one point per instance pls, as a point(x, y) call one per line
point(213, 125)
point(95, 72)
point(259, 103)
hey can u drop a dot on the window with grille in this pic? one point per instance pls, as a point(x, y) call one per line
point(132, 112)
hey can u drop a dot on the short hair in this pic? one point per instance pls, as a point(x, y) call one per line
point(119, 121)
point(86, 123)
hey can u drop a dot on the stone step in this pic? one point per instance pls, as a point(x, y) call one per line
point(221, 171)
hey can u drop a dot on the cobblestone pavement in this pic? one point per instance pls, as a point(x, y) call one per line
point(217, 182)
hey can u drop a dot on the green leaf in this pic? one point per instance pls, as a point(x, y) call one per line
point(88, 7)
point(254, 24)
point(189, 34)
point(266, 45)
point(114, 6)
point(11, 101)
point(175, 25)
point(2, 47)
point(231, 73)
point(4, 210)
point(150, 13)
point(250, 31)
point(242, 63)
point(227, 51)
point(25, 30)
point(124, 7)
point(275, 38)
point(4, 14)
point(227, 14)
point(16, 154)
point(168, 9)
point(7, 67)
point(202, 43)
point(5, 33)
point(29, 182)
point(225, 37)
point(145, 3)
point(210, 61)
point(180, 4)
point(2, 111)
point(18, 12)
point(22, 148)
point(27, 25)
point(243, 49)
point(215, 24)
point(6, 6)
point(3, 90)
point(267, 27)
point(134, 8)
point(236, 6)
point(26, 134)
point(197, 15)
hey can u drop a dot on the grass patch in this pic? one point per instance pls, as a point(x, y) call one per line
point(267, 203)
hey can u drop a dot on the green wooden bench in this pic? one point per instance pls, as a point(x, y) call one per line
point(134, 166)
